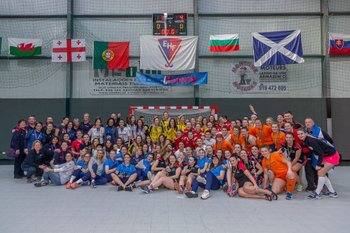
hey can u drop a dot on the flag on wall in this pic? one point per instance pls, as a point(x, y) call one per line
point(68, 50)
point(111, 55)
point(339, 44)
point(168, 52)
point(277, 48)
point(24, 47)
point(224, 43)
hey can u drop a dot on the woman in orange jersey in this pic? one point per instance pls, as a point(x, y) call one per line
point(222, 144)
point(278, 137)
point(246, 140)
point(263, 134)
point(281, 168)
point(235, 135)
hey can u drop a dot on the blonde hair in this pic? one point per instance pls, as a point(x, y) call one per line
point(35, 142)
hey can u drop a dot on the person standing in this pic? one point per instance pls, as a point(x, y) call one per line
point(18, 144)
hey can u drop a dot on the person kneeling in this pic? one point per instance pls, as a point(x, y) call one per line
point(124, 175)
point(275, 163)
point(59, 175)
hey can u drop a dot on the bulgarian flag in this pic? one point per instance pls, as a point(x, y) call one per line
point(111, 55)
point(224, 43)
point(24, 47)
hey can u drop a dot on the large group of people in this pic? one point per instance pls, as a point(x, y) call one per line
point(250, 157)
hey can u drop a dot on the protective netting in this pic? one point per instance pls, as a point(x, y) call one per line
point(305, 80)
point(149, 114)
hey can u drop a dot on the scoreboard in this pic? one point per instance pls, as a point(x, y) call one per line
point(170, 24)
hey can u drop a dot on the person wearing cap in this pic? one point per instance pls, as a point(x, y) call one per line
point(221, 144)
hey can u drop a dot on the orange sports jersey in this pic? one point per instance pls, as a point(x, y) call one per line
point(225, 145)
point(263, 136)
point(244, 143)
point(278, 139)
point(275, 164)
point(235, 140)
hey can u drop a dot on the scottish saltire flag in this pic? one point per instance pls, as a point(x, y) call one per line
point(277, 48)
point(339, 44)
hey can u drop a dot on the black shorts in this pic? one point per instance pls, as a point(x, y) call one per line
point(242, 181)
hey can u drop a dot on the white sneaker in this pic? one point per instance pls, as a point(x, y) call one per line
point(201, 180)
point(205, 194)
point(299, 188)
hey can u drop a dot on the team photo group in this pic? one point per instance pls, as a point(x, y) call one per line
point(249, 157)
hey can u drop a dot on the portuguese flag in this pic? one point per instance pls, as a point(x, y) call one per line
point(111, 55)
point(24, 47)
point(224, 43)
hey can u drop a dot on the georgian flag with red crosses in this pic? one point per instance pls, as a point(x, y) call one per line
point(68, 50)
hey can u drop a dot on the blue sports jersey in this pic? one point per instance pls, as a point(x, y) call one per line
point(127, 170)
point(110, 163)
point(81, 164)
point(217, 170)
point(201, 162)
point(119, 156)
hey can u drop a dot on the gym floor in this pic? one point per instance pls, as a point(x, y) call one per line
point(25, 208)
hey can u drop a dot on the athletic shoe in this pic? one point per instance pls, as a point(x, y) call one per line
point(330, 194)
point(225, 187)
point(191, 194)
point(73, 185)
point(31, 179)
point(18, 177)
point(145, 189)
point(309, 190)
point(118, 188)
point(314, 196)
point(85, 183)
point(201, 180)
point(93, 184)
point(205, 195)
point(133, 185)
point(299, 188)
point(289, 196)
point(41, 183)
point(68, 185)
point(128, 188)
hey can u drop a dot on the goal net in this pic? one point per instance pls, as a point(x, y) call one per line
point(149, 112)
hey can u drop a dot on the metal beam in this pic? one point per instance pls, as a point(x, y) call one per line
point(32, 16)
point(263, 14)
point(69, 70)
point(197, 101)
point(114, 16)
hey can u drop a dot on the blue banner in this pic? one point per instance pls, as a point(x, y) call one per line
point(191, 79)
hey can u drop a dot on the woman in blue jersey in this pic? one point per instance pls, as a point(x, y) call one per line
point(203, 165)
point(110, 166)
point(81, 174)
point(142, 169)
point(124, 175)
point(170, 178)
point(213, 179)
point(247, 186)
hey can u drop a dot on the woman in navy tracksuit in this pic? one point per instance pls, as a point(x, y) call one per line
point(18, 144)
point(213, 180)
point(81, 173)
point(35, 135)
point(60, 154)
point(34, 162)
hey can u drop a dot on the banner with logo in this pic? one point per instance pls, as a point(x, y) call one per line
point(191, 79)
point(248, 78)
point(168, 53)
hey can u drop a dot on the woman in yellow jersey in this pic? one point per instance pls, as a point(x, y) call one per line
point(170, 130)
point(165, 119)
point(205, 127)
point(137, 143)
point(181, 124)
point(155, 130)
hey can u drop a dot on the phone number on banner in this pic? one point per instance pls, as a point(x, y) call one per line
point(273, 87)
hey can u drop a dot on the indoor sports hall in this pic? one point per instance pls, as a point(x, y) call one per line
point(174, 116)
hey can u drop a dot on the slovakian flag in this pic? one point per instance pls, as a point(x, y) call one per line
point(339, 44)
point(111, 55)
point(68, 50)
point(224, 43)
point(168, 53)
point(190, 79)
point(277, 48)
